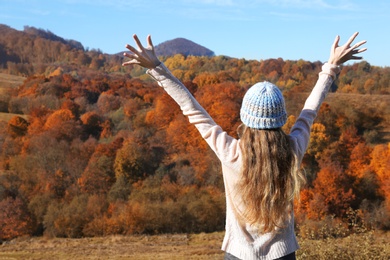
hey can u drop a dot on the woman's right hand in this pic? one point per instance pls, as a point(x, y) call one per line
point(144, 57)
point(341, 54)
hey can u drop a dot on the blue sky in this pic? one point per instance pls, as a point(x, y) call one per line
point(250, 29)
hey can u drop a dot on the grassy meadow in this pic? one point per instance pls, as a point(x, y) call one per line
point(10, 81)
point(369, 245)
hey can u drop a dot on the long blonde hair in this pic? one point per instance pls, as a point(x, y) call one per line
point(270, 177)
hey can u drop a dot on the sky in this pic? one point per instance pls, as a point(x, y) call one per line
point(249, 29)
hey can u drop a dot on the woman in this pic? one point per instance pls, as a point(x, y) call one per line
point(261, 169)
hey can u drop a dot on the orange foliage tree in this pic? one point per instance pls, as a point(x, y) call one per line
point(330, 195)
point(17, 126)
point(14, 219)
point(62, 125)
point(92, 124)
point(380, 164)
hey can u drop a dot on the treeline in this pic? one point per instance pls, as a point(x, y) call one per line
point(106, 151)
point(35, 51)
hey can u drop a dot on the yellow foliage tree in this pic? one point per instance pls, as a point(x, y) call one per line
point(318, 140)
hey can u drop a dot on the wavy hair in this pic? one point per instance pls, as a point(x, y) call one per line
point(271, 178)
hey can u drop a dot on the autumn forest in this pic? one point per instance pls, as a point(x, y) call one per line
point(90, 148)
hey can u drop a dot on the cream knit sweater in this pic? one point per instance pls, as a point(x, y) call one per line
point(241, 240)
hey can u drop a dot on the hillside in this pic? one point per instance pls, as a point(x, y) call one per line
point(101, 150)
point(45, 34)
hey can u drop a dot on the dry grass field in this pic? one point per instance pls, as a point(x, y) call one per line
point(6, 82)
point(7, 116)
point(370, 245)
point(10, 81)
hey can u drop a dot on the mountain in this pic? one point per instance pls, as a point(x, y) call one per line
point(182, 46)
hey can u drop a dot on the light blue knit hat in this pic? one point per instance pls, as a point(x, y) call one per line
point(263, 107)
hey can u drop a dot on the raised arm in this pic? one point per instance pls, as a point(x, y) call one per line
point(300, 132)
point(338, 55)
point(146, 57)
point(217, 139)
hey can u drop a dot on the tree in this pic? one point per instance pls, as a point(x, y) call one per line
point(165, 110)
point(340, 151)
point(130, 162)
point(331, 192)
point(99, 175)
point(92, 124)
point(380, 164)
point(289, 124)
point(359, 160)
point(318, 140)
point(317, 144)
point(108, 102)
point(62, 125)
point(223, 105)
point(17, 126)
point(120, 190)
point(15, 220)
point(67, 220)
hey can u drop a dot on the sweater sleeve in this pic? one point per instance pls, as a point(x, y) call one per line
point(218, 140)
point(300, 132)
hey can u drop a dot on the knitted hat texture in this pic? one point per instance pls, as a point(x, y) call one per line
point(263, 107)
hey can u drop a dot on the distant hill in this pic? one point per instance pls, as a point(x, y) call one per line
point(37, 51)
point(182, 46)
point(46, 34)
point(33, 46)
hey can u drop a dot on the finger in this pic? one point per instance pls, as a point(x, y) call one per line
point(131, 48)
point(357, 45)
point(149, 40)
point(361, 50)
point(127, 63)
point(352, 38)
point(131, 56)
point(140, 47)
point(356, 58)
point(336, 42)
point(131, 62)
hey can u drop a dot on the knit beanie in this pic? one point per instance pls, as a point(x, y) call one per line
point(263, 107)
